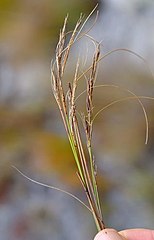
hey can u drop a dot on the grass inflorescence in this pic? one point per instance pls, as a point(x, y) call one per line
point(66, 100)
point(86, 167)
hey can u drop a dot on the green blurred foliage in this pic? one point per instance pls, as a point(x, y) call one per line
point(6, 6)
point(33, 26)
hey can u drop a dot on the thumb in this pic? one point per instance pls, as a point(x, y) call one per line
point(109, 234)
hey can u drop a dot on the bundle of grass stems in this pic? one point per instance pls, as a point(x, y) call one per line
point(66, 100)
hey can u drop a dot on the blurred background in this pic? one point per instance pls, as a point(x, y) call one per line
point(32, 135)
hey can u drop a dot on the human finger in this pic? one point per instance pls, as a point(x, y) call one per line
point(138, 234)
point(109, 234)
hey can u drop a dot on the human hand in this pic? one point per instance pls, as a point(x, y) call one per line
point(129, 234)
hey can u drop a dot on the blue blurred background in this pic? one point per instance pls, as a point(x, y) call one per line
point(32, 135)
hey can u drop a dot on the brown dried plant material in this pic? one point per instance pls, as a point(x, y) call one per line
point(86, 168)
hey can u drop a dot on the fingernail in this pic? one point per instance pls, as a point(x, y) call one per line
point(108, 234)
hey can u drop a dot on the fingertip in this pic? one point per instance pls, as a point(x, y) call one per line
point(108, 234)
